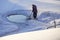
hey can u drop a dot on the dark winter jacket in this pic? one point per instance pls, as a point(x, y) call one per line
point(34, 8)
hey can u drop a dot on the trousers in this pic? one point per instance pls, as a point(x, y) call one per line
point(34, 15)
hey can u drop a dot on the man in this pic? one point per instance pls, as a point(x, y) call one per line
point(34, 10)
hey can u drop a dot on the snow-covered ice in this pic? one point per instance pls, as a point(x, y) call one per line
point(50, 34)
point(7, 28)
point(17, 18)
point(15, 22)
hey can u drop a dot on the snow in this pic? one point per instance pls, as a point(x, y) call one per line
point(57, 22)
point(17, 18)
point(50, 34)
point(13, 14)
point(5, 29)
point(15, 22)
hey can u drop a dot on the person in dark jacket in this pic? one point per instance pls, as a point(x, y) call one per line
point(34, 10)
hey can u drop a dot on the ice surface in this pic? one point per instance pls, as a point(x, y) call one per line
point(5, 29)
point(17, 18)
point(15, 22)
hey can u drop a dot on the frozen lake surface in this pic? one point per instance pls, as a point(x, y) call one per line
point(17, 18)
point(15, 22)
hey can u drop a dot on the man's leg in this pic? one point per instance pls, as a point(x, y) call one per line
point(35, 15)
